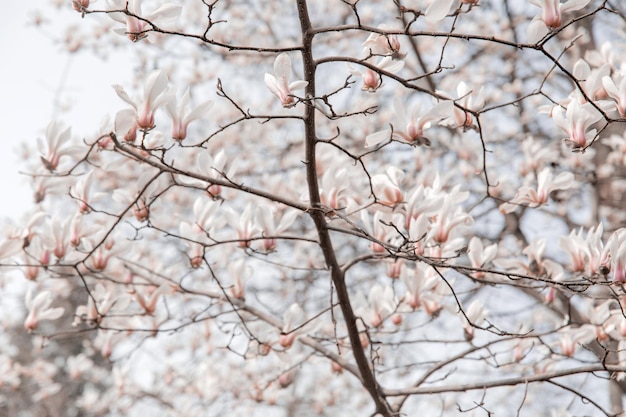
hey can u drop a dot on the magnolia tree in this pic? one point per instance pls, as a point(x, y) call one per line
point(331, 207)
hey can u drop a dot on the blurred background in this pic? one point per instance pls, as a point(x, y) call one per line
point(41, 81)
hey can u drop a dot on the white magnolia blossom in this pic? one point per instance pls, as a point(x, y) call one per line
point(279, 83)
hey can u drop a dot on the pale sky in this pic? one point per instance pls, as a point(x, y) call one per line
point(34, 69)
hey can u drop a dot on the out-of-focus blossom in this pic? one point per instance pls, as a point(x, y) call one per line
point(387, 187)
point(293, 318)
point(154, 95)
point(39, 309)
point(479, 256)
point(546, 183)
point(137, 29)
point(182, 114)
point(382, 303)
point(267, 224)
point(149, 299)
point(377, 227)
point(57, 138)
point(551, 16)
point(380, 44)
point(410, 128)
point(279, 83)
point(80, 5)
point(81, 192)
point(475, 315)
point(437, 10)
point(616, 89)
point(239, 273)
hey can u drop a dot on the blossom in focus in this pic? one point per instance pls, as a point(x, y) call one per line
point(137, 29)
point(576, 121)
point(154, 95)
point(182, 114)
point(372, 80)
point(279, 83)
point(551, 16)
point(39, 309)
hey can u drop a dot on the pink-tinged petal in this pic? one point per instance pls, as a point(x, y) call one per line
point(437, 10)
point(377, 137)
point(572, 5)
point(122, 94)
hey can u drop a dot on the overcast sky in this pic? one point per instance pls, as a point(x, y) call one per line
point(34, 69)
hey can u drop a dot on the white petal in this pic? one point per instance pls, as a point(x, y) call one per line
point(282, 66)
point(438, 10)
point(377, 137)
point(122, 94)
point(573, 5)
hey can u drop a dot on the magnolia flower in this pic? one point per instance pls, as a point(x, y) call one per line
point(382, 302)
point(546, 183)
point(475, 315)
point(387, 187)
point(182, 114)
point(137, 29)
point(410, 128)
point(372, 81)
point(293, 318)
point(479, 256)
point(379, 44)
point(279, 82)
point(148, 302)
point(265, 220)
point(57, 146)
point(576, 122)
point(39, 309)
point(154, 95)
point(551, 16)
point(591, 79)
point(240, 273)
point(467, 99)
